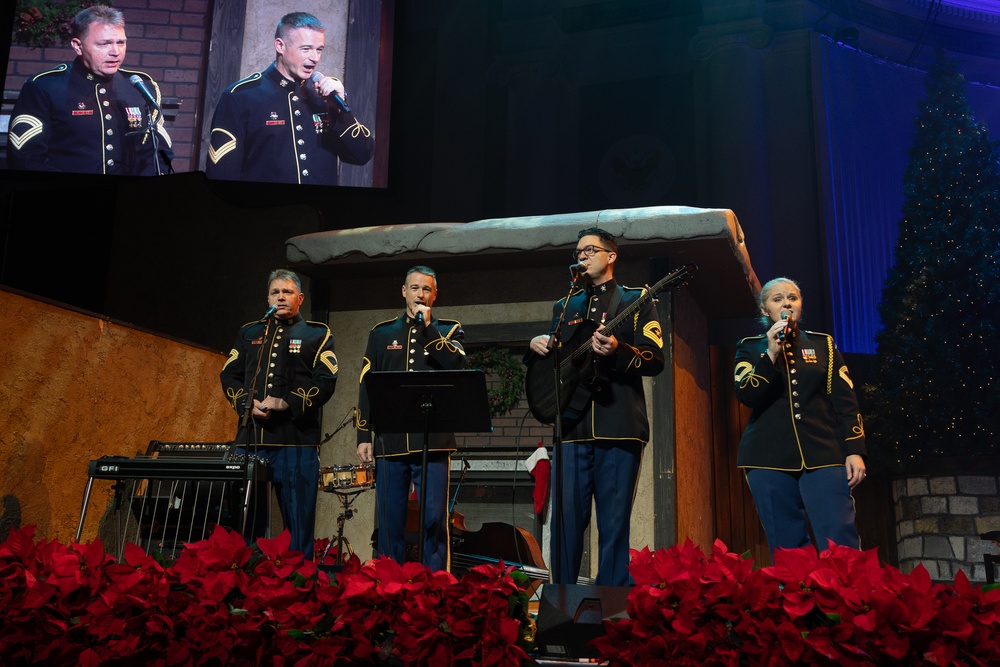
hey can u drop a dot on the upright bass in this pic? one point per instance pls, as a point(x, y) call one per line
point(577, 371)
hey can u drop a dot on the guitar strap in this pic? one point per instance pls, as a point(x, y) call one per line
point(616, 300)
point(580, 400)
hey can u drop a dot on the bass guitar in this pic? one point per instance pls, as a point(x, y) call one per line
point(577, 364)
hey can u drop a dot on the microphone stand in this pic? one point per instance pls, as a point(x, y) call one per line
point(558, 531)
point(246, 422)
point(151, 131)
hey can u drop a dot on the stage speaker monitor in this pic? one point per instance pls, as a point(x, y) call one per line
point(570, 615)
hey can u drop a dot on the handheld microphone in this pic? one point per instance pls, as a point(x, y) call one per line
point(786, 318)
point(270, 311)
point(577, 268)
point(420, 317)
point(137, 81)
point(316, 78)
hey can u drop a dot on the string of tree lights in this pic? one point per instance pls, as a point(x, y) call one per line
point(936, 390)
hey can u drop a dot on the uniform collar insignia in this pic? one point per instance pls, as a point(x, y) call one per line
point(289, 321)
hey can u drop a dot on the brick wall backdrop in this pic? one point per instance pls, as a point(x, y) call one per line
point(516, 428)
point(168, 39)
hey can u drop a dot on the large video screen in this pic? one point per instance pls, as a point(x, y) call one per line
point(202, 86)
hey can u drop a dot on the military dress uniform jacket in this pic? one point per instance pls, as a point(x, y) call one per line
point(403, 344)
point(616, 409)
point(298, 365)
point(805, 412)
point(271, 129)
point(69, 119)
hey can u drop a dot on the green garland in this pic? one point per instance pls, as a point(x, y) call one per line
point(510, 371)
point(41, 23)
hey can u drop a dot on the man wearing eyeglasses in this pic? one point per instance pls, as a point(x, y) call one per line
point(603, 440)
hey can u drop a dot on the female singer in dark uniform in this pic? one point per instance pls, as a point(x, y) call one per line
point(803, 449)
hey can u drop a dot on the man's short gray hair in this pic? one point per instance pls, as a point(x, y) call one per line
point(295, 20)
point(284, 274)
point(101, 14)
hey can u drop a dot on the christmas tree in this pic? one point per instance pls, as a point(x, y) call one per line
point(936, 392)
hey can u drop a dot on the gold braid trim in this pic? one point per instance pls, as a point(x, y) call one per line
point(444, 344)
point(235, 395)
point(859, 430)
point(829, 370)
point(357, 130)
point(638, 356)
point(306, 396)
point(745, 375)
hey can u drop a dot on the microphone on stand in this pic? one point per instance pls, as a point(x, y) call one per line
point(270, 311)
point(136, 81)
point(577, 268)
point(316, 78)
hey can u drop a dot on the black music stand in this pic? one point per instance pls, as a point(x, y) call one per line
point(428, 401)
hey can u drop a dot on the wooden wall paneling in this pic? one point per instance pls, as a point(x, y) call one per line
point(226, 52)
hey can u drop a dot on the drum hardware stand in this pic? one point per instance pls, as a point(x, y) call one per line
point(350, 418)
point(346, 499)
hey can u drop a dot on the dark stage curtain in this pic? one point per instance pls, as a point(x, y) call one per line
point(865, 110)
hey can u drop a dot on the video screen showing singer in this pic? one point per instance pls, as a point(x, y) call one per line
point(88, 116)
point(289, 123)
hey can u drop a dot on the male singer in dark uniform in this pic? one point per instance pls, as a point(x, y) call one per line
point(602, 445)
point(289, 368)
point(87, 117)
point(289, 124)
point(414, 341)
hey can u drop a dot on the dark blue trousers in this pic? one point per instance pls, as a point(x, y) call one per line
point(393, 475)
point(789, 502)
point(603, 472)
point(295, 480)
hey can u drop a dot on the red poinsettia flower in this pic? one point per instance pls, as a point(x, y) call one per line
point(280, 561)
point(223, 603)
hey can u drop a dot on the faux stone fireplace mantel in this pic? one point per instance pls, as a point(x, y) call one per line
point(725, 286)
